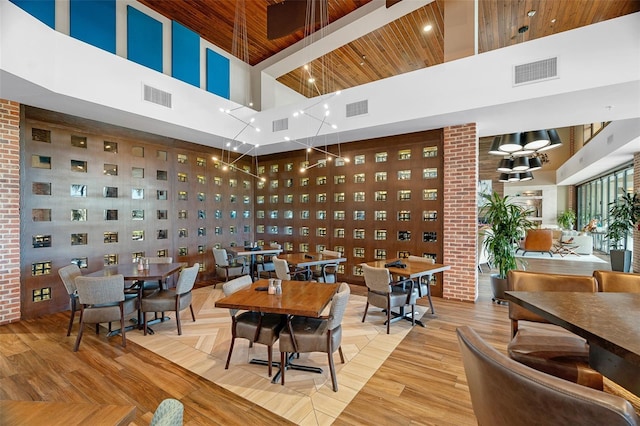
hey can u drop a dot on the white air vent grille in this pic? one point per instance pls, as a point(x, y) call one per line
point(358, 108)
point(157, 96)
point(279, 125)
point(545, 69)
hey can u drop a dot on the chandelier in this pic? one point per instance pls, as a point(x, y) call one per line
point(523, 153)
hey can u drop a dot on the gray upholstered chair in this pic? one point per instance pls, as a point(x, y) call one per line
point(386, 294)
point(304, 334)
point(505, 392)
point(552, 350)
point(102, 300)
point(264, 263)
point(256, 327)
point(172, 299)
point(68, 275)
point(328, 272)
point(170, 412)
point(424, 285)
point(614, 281)
point(285, 272)
point(232, 266)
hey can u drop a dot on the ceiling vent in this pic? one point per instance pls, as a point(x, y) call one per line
point(157, 96)
point(279, 125)
point(358, 108)
point(534, 72)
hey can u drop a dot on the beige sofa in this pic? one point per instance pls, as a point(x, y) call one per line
point(583, 243)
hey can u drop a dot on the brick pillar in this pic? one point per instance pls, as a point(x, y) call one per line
point(636, 234)
point(460, 212)
point(9, 211)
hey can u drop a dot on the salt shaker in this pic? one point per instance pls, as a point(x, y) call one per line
point(272, 287)
point(278, 286)
point(140, 264)
point(146, 264)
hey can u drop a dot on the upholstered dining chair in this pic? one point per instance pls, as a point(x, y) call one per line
point(232, 266)
point(304, 334)
point(424, 285)
point(264, 263)
point(102, 300)
point(68, 275)
point(286, 272)
point(328, 272)
point(505, 392)
point(553, 350)
point(256, 327)
point(170, 412)
point(175, 299)
point(386, 294)
point(615, 281)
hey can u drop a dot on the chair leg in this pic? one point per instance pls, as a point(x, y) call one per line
point(123, 331)
point(282, 367)
point(178, 321)
point(366, 307)
point(332, 371)
point(233, 339)
point(81, 327)
point(388, 318)
point(341, 354)
point(269, 358)
point(144, 322)
point(193, 316)
point(73, 315)
point(413, 314)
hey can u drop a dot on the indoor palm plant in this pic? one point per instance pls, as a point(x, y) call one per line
point(508, 224)
point(624, 213)
point(566, 219)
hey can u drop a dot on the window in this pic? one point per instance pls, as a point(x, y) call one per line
point(381, 157)
point(110, 147)
point(380, 254)
point(217, 181)
point(338, 232)
point(341, 162)
point(321, 232)
point(137, 172)
point(404, 195)
point(40, 162)
point(41, 268)
point(429, 194)
point(404, 235)
point(404, 154)
point(304, 198)
point(429, 215)
point(288, 183)
point(321, 214)
point(404, 216)
point(182, 159)
point(358, 252)
point(321, 198)
point(201, 162)
point(304, 181)
point(288, 198)
point(321, 180)
point(273, 184)
point(182, 177)
point(273, 214)
point(339, 179)
point(79, 166)
point(274, 168)
point(79, 141)
point(404, 174)
point(380, 215)
point(304, 214)
point(358, 178)
point(430, 173)
point(161, 175)
point(260, 199)
point(110, 237)
point(339, 215)
point(137, 151)
point(233, 183)
point(358, 197)
point(304, 231)
point(288, 167)
point(430, 152)
point(273, 199)
point(338, 197)
point(381, 195)
point(358, 215)
point(381, 177)
point(202, 179)
point(358, 159)
point(429, 237)
point(380, 234)
point(358, 234)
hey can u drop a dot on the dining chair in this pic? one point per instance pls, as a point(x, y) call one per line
point(328, 272)
point(68, 275)
point(505, 392)
point(102, 300)
point(305, 334)
point(232, 266)
point(170, 412)
point(615, 281)
point(286, 272)
point(256, 327)
point(175, 300)
point(149, 287)
point(264, 263)
point(553, 350)
point(384, 293)
point(424, 284)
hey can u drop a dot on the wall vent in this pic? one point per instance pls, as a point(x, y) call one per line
point(358, 108)
point(609, 139)
point(157, 96)
point(279, 125)
point(534, 72)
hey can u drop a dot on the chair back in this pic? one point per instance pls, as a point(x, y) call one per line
point(221, 257)
point(187, 279)
point(68, 275)
point(506, 392)
point(170, 412)
point(275, 246)
point(614, 281)
point(414, 258)
point(234, 285)
point(281, 267)
point(538, 240)
point(377, 279)
point(330, 253)
point(100, 290)
point(538, 281)
point(338, 306)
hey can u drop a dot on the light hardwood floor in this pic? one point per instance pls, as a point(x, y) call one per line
point(421, 382)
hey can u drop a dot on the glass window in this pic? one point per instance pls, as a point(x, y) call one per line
point(381, 157)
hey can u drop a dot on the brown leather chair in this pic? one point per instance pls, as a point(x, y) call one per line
point(537, 240)
point(560, 353)
point(621, 282)
point(505, 392)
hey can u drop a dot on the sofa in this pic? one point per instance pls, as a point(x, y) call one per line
point(580, 243)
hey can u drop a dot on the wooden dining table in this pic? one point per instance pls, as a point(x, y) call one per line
point(301, 298)
point(64, 413)
point(156, 272)
point(310, 259)
point(610, 322)
point(252, 253)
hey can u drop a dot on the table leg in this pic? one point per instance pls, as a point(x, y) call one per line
point(289, 366)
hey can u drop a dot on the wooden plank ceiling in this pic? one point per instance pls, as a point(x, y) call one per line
point(396, 48)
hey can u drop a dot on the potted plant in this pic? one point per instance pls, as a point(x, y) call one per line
point(567, 219)
point(508, 224)
point(624, 213)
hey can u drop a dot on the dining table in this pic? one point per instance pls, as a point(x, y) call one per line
point(299, 298)
point(609, 322)
point(310, 259)
point(414, 270)
point(154, 272)
point(64, 413)
point(252, 253)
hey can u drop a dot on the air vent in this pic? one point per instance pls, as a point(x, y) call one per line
point(609, 139)
point(358, 108)
point(279, 125)
point(157, 96)
point(532, 72)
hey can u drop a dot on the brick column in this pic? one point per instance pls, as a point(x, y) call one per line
point(9, 211)
point(635, 264)
point(460, 212)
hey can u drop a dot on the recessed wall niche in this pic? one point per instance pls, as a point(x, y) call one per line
point(41, 188)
